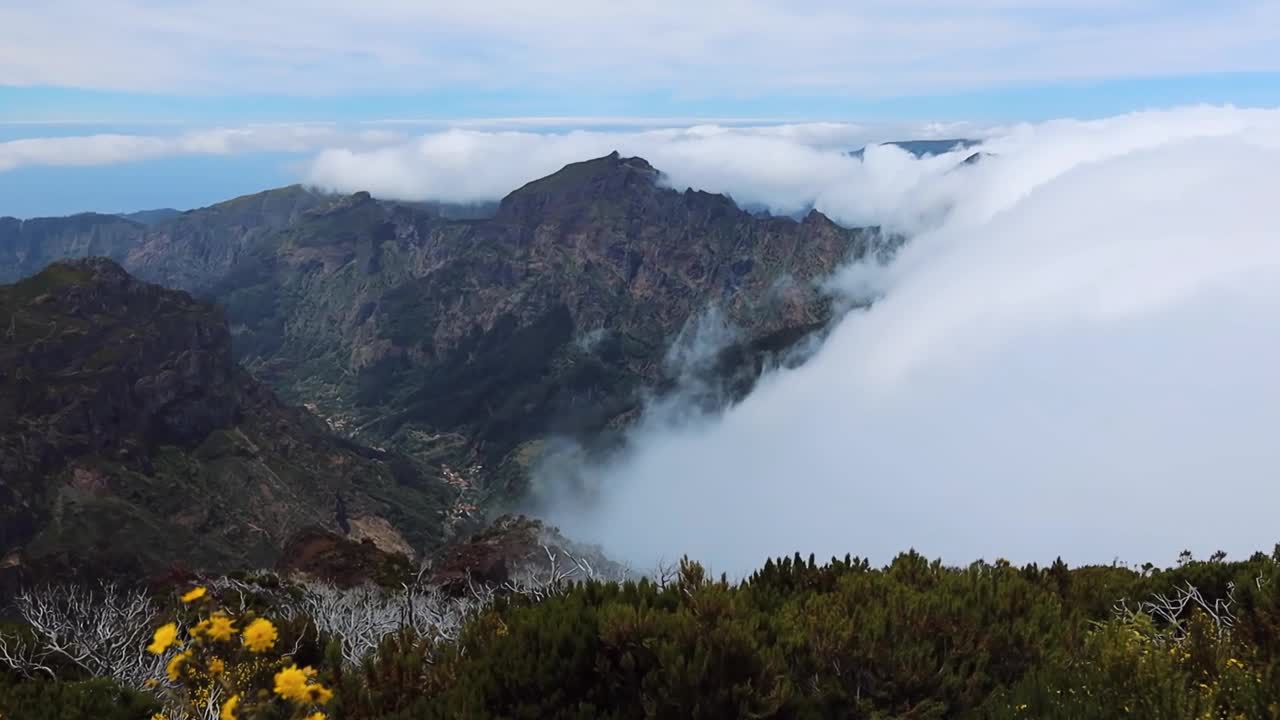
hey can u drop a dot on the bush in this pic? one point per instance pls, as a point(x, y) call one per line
point(99, 699)
point(912, 640)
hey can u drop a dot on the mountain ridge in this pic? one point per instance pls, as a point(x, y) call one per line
point(130, 441)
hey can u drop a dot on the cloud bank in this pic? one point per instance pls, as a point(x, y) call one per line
point(1074, 355)
point(786, 167)
point(114, 148)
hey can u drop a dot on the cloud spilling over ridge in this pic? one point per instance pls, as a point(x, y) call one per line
point(783, 167)
point(1075, 355)
point(786, 167)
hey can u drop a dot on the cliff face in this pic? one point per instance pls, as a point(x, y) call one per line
point(130, 441)
point(195, 248)
point(26, 246)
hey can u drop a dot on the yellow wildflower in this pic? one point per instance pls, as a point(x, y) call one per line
point(194, 594)
point(291, 684)
point(158, 716)
point(315, 716)
point(260, 635)
point(229, 708)
point(165, 636)
point(174, 668)
point(219, 627)
point(319, 694)
point(217, 666)
point(294, 683)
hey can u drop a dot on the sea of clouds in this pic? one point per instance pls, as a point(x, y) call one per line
point(1075, 355)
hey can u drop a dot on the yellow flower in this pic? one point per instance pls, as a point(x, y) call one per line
point(218, 627)
point(174, 668)
point(294, 684)
point(229, 708)
point(217, 666)
point(158, 716)
point(164, 637)
point(260, 635)
point(315, 716)
point(291, 684)
point(194, 594)
point(319, 694)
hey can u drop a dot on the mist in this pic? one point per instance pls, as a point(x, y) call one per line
point(1074, 355)
point(783, 167)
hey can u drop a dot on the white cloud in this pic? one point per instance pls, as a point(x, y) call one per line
point(109, 148)
point(716, 47)
point(1075, 355)
point(784, 166)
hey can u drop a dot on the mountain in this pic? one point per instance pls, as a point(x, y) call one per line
point(131, 442)
point(470, 336)
point(921, 148)
point(484, 337)
point(151, 217)
point(191, 250)
point(209, 238)
point(26, 246)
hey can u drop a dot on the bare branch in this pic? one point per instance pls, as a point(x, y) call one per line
point(102, 631)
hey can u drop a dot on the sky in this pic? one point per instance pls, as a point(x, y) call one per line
point(116, 105)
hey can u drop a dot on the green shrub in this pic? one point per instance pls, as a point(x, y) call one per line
point(48, 700)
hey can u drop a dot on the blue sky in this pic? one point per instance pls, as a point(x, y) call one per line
point(116, 105)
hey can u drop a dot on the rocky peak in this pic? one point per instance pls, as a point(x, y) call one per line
point(610, 179)
point(133, 361)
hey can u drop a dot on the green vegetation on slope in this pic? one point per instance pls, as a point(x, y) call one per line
point(130, 442)
point(912, 640)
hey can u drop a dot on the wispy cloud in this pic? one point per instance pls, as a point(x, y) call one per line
point(113, 148)
point(717, 47)
point(1073, 356)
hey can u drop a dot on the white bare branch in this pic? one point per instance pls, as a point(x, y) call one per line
point(362, 617)
point(104, 631)
point(1173, 611)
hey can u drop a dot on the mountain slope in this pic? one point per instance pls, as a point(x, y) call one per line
point(179, 249)
point(442, 336)
point(26, 246)
point(130, 441)
point(191, 250)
